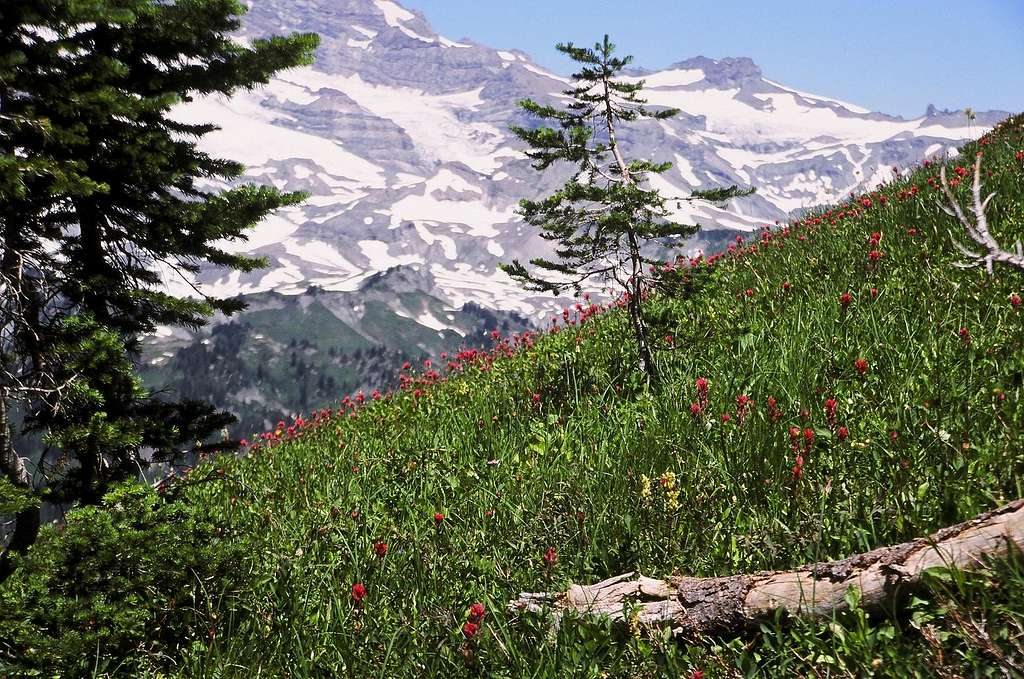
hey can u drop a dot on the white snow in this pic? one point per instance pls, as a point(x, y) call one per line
point(361, 44)
point(507, 56)
point(447, 243)
point(480, 218)
point(380, 259)
point(413, 34)
point(462, 284)
point(431, 321)
point(446, 179)
point(814, 97)
point(394, 14)
point(369, 33)
point(540, 71)
point(274, 228)
point(686, 171)
point(287, 279)
point(367, 220)
point(678, 77)
point(451, 43)
point(494, 247)
point(336, 197)
point(430, 120)
point(404, 180)
point(323, 256)
point(785, 119)
point(249, 136)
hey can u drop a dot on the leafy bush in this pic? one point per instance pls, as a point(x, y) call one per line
point(119, 589)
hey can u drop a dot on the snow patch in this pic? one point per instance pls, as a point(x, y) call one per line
point(677, 77)
point(432, 121)
point(446, 179)
point(539, 71)
point(244, 121)
point(686, 171)
point(377, 252)
point(431, 321)
point(451, 43)
point(322, 255)
point(480, 218)
point(394, 14)
point(814, 97)
point(369, 33)
point(447, 243)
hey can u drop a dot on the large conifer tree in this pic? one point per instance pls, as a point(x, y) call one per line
point(100, 188)
point(602, 218)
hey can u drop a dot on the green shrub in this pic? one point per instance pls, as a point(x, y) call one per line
point(121, 588)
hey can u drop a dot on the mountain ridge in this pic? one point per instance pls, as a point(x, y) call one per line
point(400, 136)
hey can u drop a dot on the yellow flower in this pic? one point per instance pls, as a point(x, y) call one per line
point(634, 623)
point(645, 489)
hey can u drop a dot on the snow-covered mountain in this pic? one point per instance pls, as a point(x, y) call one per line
point(401, 137)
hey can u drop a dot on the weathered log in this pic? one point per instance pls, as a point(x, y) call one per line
point(729, 604)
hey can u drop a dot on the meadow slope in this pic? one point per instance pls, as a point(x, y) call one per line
point(829, 386)
point(847, 339)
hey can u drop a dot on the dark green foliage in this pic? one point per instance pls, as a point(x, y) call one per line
point(102, 194)
point(603, 219)
point(121, 588)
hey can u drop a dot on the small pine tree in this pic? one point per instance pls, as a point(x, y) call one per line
point(603, 217)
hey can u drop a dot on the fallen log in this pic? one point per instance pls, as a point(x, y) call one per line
point(694, 606)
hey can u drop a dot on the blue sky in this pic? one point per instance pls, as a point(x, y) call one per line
point(895, 56)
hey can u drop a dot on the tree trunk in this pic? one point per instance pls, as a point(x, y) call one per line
point(26, 522)
point(636, 317)
point(635, 291)
point(723, 605)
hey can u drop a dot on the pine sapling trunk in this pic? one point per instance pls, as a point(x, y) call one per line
point(636, 312)
point(635, 288)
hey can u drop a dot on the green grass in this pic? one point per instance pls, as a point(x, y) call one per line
point(562, 445)
point(934, 438)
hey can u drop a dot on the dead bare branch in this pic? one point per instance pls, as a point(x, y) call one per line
point(978, 230)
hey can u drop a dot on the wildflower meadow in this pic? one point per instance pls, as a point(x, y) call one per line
point(829, 386)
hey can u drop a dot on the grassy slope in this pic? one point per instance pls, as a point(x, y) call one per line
point(935, 436)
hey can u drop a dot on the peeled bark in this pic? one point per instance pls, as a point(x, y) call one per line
point(730, 604)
